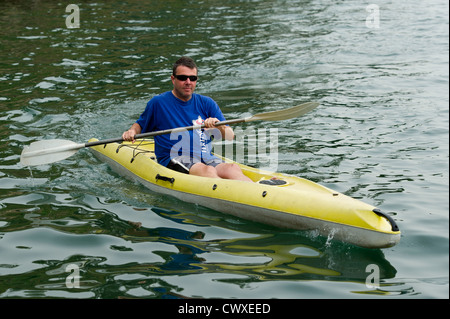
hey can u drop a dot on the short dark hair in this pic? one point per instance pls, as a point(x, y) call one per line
point(184, 61)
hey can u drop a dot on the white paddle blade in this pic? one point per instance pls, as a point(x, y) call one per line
point(285, 114)
point(48, 151)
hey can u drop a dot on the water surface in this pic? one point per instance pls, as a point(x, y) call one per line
point(380, 135)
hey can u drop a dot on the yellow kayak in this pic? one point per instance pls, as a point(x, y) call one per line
point(275, 199)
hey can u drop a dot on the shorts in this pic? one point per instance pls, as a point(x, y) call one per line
point(184, 163)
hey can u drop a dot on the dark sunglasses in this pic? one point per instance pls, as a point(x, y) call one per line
point(193, 78)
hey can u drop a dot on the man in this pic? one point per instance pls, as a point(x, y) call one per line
point(179, 108)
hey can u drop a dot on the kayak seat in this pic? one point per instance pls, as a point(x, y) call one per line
point(178, 167)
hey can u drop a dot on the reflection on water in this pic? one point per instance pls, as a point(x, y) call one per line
point(292, 255)
point(92, 224)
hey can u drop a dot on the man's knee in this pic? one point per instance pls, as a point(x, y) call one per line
point(228, 170)
point(203, 170)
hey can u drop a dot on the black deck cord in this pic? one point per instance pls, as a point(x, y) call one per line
point(135, 148)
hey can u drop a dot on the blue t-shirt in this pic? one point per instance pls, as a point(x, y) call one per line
point(165, 111)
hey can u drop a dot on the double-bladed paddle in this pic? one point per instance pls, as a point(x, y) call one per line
point(50, 151)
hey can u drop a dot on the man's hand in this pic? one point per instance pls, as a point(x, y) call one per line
point(210, 122)
point(131, 133)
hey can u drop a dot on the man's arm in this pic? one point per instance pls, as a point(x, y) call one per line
point(228, 134)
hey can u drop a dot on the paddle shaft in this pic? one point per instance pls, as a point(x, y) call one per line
point(168, 131)
point(44, 152)
point(268, 116)
point(73, 147)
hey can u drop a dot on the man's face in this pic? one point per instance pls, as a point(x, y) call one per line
point(184, 89)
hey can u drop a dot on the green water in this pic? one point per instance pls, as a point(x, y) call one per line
point(380, 135)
